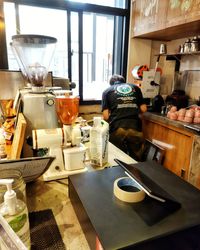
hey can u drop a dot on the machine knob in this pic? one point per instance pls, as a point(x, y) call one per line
point(50, 102)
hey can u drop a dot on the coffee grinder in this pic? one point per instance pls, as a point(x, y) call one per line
point(64, 143)
point(34, 52)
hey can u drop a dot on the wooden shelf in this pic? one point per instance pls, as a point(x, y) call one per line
point(171, 33)
point(179, 54)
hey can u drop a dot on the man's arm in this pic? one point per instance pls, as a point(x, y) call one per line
point(106, 114)
point(140, 100)
point(143, 108)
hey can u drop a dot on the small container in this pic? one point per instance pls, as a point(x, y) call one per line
point(181, 48)
point(195, 44)
point(74, 158)
point(163, 48)
point(163, 110)
point(187, 46)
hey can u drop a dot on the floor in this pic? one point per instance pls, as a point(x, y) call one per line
point(44, 195)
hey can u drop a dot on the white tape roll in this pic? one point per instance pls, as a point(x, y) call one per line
point(127, 190)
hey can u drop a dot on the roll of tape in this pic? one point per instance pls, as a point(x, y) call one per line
point(125, 189)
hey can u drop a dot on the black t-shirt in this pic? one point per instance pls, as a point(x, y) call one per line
point(123, 101)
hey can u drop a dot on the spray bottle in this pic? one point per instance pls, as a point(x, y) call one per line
point(15, 212)
point(99, 136)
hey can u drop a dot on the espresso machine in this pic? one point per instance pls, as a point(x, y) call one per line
point(34, 54)
point(64, 142)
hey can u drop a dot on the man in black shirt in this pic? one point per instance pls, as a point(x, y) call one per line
point(122, 103)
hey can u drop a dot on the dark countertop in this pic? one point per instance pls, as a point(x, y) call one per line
point(158, 117)
point(120, 225)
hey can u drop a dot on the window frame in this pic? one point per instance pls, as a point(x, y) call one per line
point(80, 8)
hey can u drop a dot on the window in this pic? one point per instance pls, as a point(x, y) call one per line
point(97, 53)
point(9, 12)
point(42, 26)
point(47, 26)
point(92, 41)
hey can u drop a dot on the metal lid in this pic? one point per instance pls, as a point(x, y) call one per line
point(34, 39)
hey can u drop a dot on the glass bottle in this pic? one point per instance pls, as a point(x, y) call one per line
point(13, 204)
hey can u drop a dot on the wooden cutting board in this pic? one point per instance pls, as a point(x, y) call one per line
point(18, 138)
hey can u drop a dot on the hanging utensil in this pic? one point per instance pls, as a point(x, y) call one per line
point(153, 83)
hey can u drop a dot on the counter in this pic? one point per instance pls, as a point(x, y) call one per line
point(164, 119)
point(181, 145)
point(54, 195)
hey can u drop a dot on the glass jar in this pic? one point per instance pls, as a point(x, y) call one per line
point(195, 44)
point(18, 185)
point(187, 46)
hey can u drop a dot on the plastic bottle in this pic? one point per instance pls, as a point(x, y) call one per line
point(99, 136)
point(19, 186)
point(8, 238)
point(3, 154)
point(15, 212)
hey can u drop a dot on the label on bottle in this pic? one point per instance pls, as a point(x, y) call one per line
point(20, 225)
point(95, 147)
point(99, 146)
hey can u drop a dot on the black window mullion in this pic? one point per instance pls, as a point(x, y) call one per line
point(94, 46)
point(80, 57)
point(69, 58)
point(126, 39)
point(117, 45)
point(114, 52)
point(125, 46)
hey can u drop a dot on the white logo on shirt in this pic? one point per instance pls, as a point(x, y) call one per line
point(124, 89)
